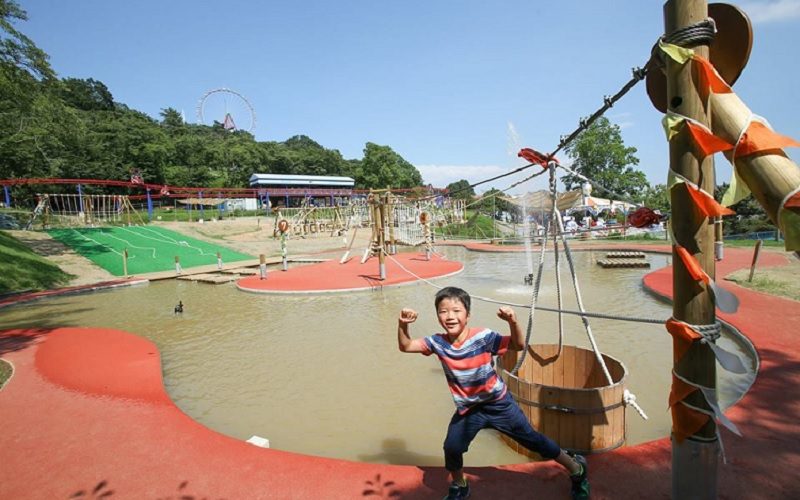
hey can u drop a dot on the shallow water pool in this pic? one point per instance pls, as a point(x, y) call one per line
point(321, 374)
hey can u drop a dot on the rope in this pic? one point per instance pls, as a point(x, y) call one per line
point(534, 299)
point(710, 333)
point(629, 399)
point(579, 299)
point(716, 413)
point(638, 75)
point(535, 295)
point(587, 314)
point(700, 33)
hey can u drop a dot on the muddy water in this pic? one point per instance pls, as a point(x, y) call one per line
point(321, 374)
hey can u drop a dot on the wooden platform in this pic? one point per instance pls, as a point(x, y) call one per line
point(627, 263)
point(214, 279)
point(241, 271)
point(625, 255)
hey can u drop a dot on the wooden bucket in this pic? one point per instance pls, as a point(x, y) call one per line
point(568, 398)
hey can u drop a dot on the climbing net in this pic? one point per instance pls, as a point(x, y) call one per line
point(71, 210)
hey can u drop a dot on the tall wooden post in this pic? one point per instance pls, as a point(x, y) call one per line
point(380, 214)
point(387, 201)
point(262, 266)
point(694, 460)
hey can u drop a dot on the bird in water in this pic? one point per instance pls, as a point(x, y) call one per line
point(179, 308)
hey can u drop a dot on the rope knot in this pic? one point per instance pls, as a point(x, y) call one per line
point(710, 333)
point(700, 33)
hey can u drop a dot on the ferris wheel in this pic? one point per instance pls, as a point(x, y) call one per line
point(228, 107)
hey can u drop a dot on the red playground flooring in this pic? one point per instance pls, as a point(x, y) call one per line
point(85, 415)
point(331, 276)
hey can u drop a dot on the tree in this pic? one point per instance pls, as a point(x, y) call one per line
point(750, 215)
point(171, 119)
point(73, 128)
point(16, 49)
point(655, 197)
point(382, 167)
point(88, 95)
point(493, 201)
point(461, 190)
point(600, 154)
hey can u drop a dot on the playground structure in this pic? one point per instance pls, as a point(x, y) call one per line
point(313, 221)
point(65, 210)
point(396, 220)
point(759, 164)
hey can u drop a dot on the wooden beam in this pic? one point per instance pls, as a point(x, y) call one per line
point(694, 461)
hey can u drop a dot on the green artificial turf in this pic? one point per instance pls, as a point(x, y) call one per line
point(150, 249)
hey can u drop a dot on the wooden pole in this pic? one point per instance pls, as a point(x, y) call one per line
point(770, 175)
point(390, 219)
point(125, 263)
point(380, 212)
point(756, 251)
point(262, 266)
point(694, 460)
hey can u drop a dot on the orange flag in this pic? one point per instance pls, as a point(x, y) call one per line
point(793, 202)
point(759, 137)
point(707, 205)
point(710, 81)
point(691, 264)
point(686, 422)
point(679, 390)
point(707, 142)
point(683, 335)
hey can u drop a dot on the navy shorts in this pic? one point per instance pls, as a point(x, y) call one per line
point(503, 415)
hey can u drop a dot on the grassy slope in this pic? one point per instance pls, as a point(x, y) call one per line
point(21, 269)
point(5, 372)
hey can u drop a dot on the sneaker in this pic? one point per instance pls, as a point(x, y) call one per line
point(580, 482)
point(457, 492)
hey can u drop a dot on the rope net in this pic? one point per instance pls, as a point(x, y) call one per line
point(82, 210)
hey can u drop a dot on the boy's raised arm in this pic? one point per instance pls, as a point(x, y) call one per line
point(508, 315)
point(404, 341)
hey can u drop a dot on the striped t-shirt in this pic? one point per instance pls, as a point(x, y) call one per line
point(468, 365)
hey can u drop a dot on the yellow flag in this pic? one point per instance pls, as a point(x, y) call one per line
point(672, 123)
point(790, 225)
point(677, 54)
point(673, 178)
point(737, 190)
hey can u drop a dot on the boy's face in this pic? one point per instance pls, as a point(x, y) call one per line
point(453, 316)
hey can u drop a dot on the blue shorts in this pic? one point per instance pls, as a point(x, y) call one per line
point(503, 415)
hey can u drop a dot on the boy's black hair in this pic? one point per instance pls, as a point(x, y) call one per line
point(452, 292)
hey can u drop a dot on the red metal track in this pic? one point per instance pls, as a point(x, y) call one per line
point(183, 191)
point(177, 192)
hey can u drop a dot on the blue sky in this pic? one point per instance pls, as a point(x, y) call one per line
point(452, 86)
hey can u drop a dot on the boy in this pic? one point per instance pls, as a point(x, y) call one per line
point(480, 395)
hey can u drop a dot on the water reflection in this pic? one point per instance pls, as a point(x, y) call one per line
point(321, 374)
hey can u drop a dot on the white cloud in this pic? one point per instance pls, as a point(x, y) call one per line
point(762, 12)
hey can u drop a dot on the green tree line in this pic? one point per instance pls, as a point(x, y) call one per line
point(73, 128)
